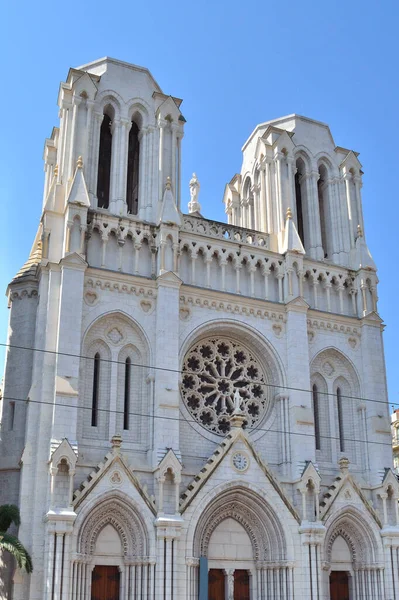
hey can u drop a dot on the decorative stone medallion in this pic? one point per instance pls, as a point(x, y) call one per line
point(115, 335)
point(116, 478)
point(328, 369)
point(213, 370)
point(240, 461)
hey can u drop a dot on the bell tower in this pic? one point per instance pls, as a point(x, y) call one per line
point(128, 134)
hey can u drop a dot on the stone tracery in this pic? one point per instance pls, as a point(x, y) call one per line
point(213, 370)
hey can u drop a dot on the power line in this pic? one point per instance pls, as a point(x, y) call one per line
point(184, 419)
point(181, 372)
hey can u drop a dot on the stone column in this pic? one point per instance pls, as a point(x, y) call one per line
point(126, 126)
point(115, 167)
point(76, 101)
point(143, 173)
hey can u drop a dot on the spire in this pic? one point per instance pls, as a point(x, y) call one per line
point(292, 241)
point(363, 258)
point(194, 206)
point(78, 193)
point(168, 212)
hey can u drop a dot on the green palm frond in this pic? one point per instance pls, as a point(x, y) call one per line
point(9, 513)
point(13, 546)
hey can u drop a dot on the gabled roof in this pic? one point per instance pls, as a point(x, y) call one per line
point(340, 482)
point(235, 435)
point(113, 457)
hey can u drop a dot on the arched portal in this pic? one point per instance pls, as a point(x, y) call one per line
point(352, 554)
point(113, 553)
point(244, 543)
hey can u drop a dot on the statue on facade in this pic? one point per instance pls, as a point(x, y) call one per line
point(194, 205)
point(237, 403)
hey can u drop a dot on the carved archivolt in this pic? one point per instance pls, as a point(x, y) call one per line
point(254, 514)
point(126, 521)
point(357, 535)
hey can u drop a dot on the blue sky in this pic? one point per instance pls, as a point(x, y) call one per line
point(235, 64)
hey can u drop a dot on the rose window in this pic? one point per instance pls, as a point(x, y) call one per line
point(212, 372)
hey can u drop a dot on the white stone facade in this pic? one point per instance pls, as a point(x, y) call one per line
point(240, 364)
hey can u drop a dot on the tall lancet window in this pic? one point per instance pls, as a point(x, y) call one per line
point(126, 403)
point(96, 391)
point(340, 421)
point(132, 194)
point(104, 163)
point(299, 200)
point(316, 413)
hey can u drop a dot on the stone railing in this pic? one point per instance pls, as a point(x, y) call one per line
point(222, 231)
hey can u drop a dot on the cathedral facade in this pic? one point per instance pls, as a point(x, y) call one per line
point(193, 409)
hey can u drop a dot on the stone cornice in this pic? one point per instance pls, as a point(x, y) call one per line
point(131, 284)
point(232, 303)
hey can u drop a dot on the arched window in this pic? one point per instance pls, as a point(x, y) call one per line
point(315, 395)
point(104, 163)
point(340, 421)
point(322, 195)
point(300, 166)
point(96, 391)
point(132, 193)
point(126, 402)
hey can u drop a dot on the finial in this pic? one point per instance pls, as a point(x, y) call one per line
point(288, 214)
point(79, 163)
point(56, 171)
point(359, 231)
point(168, 185)
point(116, 442)
point(194, 205)
point(343, 465)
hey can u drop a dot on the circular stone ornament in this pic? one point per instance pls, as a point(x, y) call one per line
point(213, 369)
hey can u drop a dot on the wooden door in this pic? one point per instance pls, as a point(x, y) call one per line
point(241, 585)
point(339, 585)
point(105, 583)
point(216, 590)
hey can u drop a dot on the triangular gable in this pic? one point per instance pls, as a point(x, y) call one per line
point(64, 450)
point(199, 481)
point(85, 83)
point(350, 159)
point(169, 106)
point(310, 472)
point(111, 459)
point(390, 479)
point(170, 461)
point(345, 486)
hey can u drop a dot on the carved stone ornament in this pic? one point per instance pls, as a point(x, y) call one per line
point(352, 341)
point(116, 478)
point(277, 329)
point(115, 335)
point(215, 372)
point(328, 369)
point(91, 298)
point(184, 314)
point(146, 306)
